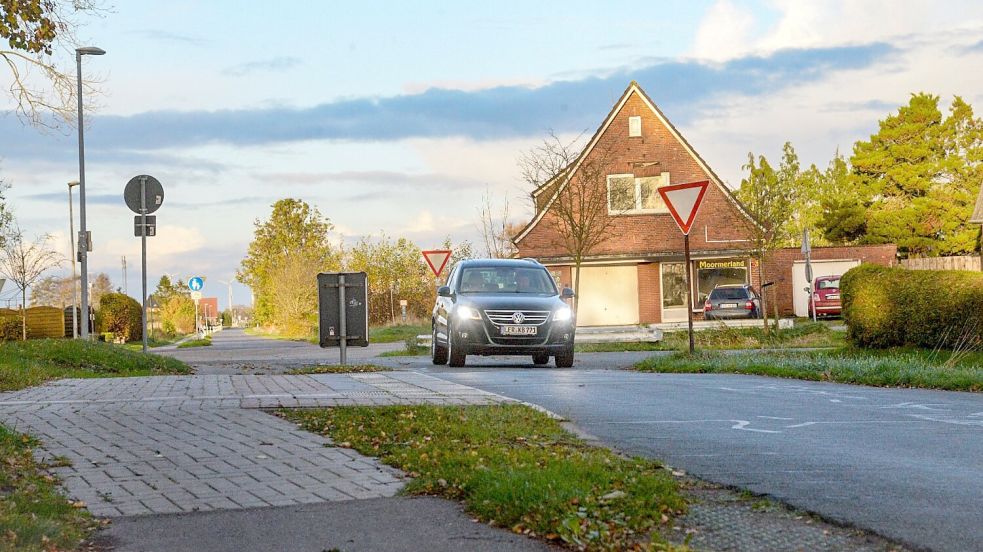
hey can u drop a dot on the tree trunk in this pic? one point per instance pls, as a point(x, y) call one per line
point(23, 312)
point(761, 282)
point(576, 285)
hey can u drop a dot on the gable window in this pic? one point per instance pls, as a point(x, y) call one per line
point(630, 195)
point(634, 127)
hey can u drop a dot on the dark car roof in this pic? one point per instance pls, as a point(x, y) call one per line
point(726, 286)
point(483, 263)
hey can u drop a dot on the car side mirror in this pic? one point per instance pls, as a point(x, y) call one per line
point(567, 293)
point(444, 291)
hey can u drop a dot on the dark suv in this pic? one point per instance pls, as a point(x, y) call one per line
point(732, 301)
point(502, 307)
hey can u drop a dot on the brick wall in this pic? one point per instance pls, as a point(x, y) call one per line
point(649, 293)
point(717, 225)
point(779, 265)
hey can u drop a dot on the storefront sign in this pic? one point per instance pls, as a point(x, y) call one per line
point(721, 263)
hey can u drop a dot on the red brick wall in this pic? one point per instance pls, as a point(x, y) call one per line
point(648, 233)
point(779, 265)
point(649, 294)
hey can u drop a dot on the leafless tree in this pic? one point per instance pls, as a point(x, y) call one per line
point(23, 262)
point(576, 195)
point(497, 230)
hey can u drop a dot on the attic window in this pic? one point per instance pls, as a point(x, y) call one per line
point(634, 127)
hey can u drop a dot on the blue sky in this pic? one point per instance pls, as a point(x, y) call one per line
point(398, 117)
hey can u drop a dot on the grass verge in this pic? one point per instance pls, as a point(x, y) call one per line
point(513, 467)
point(802, 335)
point(399, 332)
point(890, 368)
point(152, 343)
point(339, 369)
point(27, 363)
point(203, 342)
point(34, 515)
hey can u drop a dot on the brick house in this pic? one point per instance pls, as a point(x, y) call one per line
point(637, 275)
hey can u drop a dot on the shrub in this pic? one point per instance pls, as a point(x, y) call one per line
point(10, 328)
point(177, 315)
point(121, 315)
point(888, 307)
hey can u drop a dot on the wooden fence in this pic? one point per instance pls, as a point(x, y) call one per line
point(965, 262)
point(41, 321)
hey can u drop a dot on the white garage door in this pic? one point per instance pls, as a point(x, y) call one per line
point(800, 297)
point(608, 296)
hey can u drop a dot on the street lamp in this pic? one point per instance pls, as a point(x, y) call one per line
point(71, 244)
point(84, 245)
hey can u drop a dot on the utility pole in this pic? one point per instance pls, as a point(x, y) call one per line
point(124, 274)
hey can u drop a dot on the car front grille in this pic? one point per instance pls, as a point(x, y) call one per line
point(508, 317)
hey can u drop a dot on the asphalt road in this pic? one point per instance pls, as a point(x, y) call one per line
point(903, 463)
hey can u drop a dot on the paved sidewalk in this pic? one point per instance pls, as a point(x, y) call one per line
point(175, 444)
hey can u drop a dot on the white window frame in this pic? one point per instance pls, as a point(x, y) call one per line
point(634, 123)
point(637, 210)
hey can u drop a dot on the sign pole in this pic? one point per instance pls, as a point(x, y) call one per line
point(689, 292)
point(342, 323)
point(143, 258)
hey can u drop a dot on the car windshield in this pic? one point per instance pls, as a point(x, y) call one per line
point(505, 279)
point(728, 294)
point(828, 284)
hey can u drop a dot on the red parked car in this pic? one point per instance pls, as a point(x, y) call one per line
point(825, 297)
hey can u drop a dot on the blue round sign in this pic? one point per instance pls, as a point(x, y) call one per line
point(196, 283)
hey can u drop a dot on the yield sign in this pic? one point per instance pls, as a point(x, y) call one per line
point(437, 259)
point(683, 201)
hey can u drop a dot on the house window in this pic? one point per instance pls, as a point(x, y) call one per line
point(630, 195)
point(634, 127)
point(711, 273)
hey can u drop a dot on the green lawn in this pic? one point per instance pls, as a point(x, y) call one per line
point(204, 342)
point(27, 363)
point(802, 335)
point(513, 467)
point(339, 369)
point(34, 515)
point(392, 334)
point(888, 368)
point(152, 342)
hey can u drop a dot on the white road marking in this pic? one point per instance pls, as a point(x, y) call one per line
point(738, 424)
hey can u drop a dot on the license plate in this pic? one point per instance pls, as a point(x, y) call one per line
point(728, 305)
point(518, 330)
point(837, 296)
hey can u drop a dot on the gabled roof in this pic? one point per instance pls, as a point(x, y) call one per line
point(565, 175)
point(978, 212)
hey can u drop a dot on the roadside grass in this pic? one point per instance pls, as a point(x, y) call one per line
point(802, 335)
point(888, 368)
point(152, 342)
point(339, 369)
point(27, 363)
point(204, 342)
point(411, 348)
point(34, 515)
point(513, 467)
point(399, 332)
point(270, 333)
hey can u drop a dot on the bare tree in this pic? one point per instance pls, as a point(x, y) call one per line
point(39, 33)
point(575, 183)
point(24, 262)
point(496, 229)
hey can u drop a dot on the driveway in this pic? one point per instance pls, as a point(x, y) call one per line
point(903, 463)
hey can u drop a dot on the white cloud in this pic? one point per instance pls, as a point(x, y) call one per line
point(724, 33)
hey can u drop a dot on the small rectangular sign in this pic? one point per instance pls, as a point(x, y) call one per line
point(151, 226)
point(356, 310)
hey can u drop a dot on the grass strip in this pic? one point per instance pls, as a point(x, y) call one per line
point(891, 368)
point(339, 369)
point(204, 342)
point(27, 363)
point(513, 467)
point(802, 335)
point(34, 515)
point(399, 332)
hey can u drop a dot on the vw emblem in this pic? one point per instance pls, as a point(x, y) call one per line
point(518, 318)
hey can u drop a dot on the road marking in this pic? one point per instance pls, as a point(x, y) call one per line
point(738, 424)
point(775, 418)
point(918, 406)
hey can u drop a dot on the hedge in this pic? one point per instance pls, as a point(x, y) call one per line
point(889, 307)
point(121, 315)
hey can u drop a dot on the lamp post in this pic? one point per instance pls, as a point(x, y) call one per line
point(71, 244)
point(84, 245)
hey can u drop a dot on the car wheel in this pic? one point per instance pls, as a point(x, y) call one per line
point(438, 353)
point(540, 358)
point(456, 355)
point(564, 359)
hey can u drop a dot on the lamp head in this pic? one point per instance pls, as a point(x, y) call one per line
point(90, 51)
point(73, 183)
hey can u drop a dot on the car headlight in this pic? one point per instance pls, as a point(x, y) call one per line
point(563, 314)
point(467, 313)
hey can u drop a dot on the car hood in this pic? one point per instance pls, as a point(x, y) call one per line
point(510, 301)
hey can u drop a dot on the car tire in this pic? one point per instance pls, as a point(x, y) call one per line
point(438, 353)
point(540, 358)
point(564, 359)
point(456, 355)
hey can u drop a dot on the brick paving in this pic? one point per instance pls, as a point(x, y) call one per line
point(174, 444)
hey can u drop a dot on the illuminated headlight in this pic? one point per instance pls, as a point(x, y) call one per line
point(467, 313)
point(562, 315)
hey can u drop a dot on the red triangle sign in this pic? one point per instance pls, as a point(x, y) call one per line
point(683, 201)
point(437, 259)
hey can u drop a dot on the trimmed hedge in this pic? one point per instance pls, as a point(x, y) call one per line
point(121, 315)
point(889, 307)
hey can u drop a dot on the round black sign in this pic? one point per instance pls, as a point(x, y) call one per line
point(154, 192)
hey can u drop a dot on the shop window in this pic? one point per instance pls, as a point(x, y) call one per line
point(711, 273)
point(673, 285)
point(630, 195)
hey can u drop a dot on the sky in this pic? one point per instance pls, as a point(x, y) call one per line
point(400, 117)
